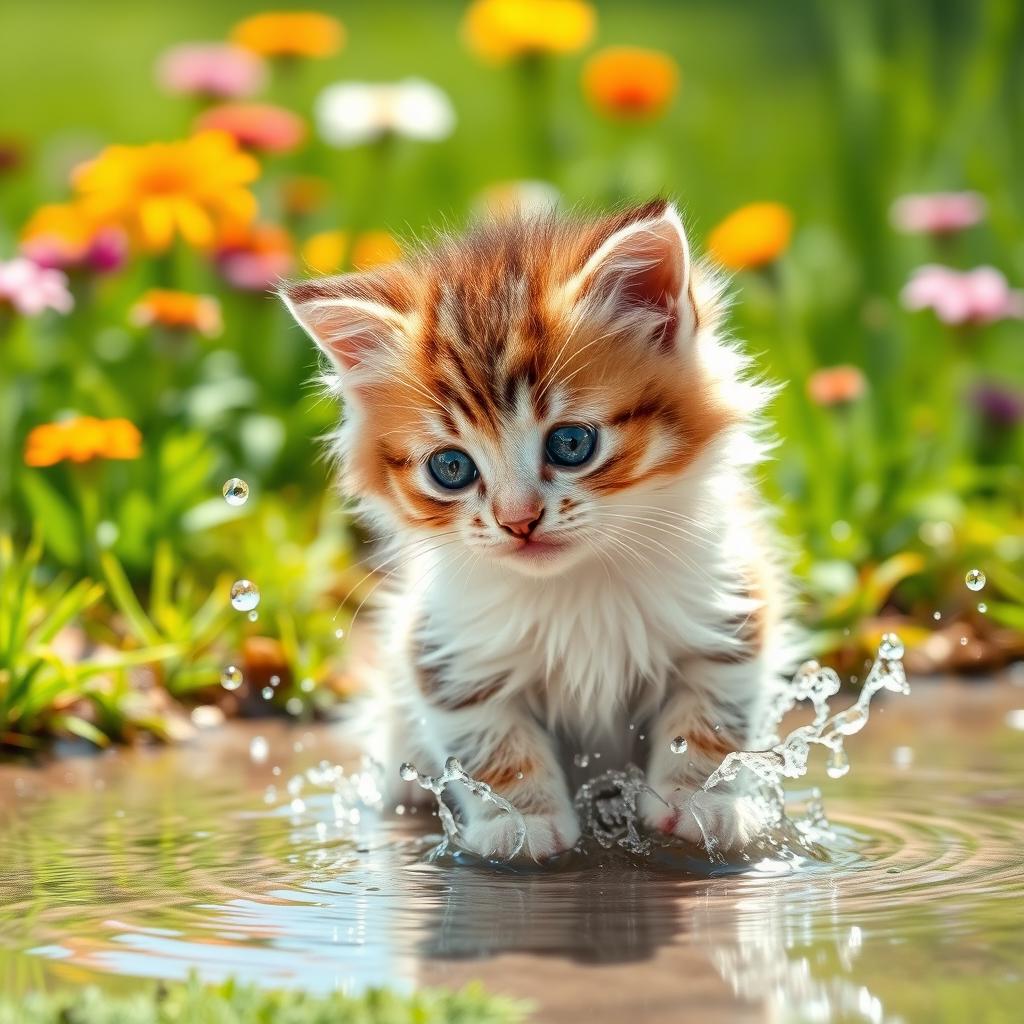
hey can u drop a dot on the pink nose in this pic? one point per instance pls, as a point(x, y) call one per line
point(520, 521)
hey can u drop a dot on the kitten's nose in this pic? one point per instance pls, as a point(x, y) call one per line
point(520, 520)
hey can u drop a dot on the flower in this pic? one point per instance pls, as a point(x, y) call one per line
point(506, 198)
point(499, 30)
point(937, 213)
point(630, 83)
point(255, 257)
point(290, 34)
point(196, 188)
point(351, 113)
point(31, 289)
point(63, 235)
point(751, 236)
point(217, 71)
point(82, 439)
point(1000, 405)
point(303, 194)
point(178, 311)
point(325, 252)
point(978, 296)
point(836, 385)
point(258, 126)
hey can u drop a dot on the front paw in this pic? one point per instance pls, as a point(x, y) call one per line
point(726, 821)
point(498, 838)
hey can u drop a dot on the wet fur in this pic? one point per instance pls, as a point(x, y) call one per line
point(664, 613)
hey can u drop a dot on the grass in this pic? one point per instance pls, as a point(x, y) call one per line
point(238, 1004)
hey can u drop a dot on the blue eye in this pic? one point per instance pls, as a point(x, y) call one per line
point(452, 469)
point(571, 445)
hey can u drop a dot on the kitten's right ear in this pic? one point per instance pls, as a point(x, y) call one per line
point(353, 318)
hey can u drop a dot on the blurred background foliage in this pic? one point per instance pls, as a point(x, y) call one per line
point(880, 143)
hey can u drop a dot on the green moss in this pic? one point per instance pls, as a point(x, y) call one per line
point(194, 1003)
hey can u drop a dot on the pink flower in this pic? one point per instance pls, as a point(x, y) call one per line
point(212, 70)
point(937, 213)
point(978, 296)
point(31, 289)
point(259, 126)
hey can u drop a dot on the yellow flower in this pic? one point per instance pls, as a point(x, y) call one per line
point(181, 311)
point(290, 34)
point(196, 188)
point(751, 236)
point(629, 82)
point(499, 30)
point(325, 253)
point(82, 439)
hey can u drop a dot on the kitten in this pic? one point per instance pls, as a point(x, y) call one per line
point(542, 418)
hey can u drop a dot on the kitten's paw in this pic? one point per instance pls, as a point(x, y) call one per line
point(498, 838)
point(730, 821)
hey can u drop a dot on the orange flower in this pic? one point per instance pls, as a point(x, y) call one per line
point(303, 194)
point(82, 439)
point(500, 30)
point(325, 253)
point(290, 34)
point(195, 188)
point(181, 311)
point(65, 235)
point(751, 236)
point(629, 82)
point(836, 385)
point(258, 126)
point(256, 257)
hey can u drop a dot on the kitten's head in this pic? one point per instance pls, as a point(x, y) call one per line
point(506, 388)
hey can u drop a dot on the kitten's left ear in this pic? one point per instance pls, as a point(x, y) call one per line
point(638, 275)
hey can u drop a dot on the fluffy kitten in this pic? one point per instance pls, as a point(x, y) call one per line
point(542, 419)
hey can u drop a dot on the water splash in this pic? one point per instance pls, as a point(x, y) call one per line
point(437, 784)
point(245, 595)
point(606, 805)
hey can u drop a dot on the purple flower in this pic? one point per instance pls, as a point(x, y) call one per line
point(211, 70)
point(1001, 405)
point(31, 289)
point(937, 213)
point(978, 296)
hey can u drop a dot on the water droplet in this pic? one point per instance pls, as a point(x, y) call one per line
point(581, 760)
point(903, 757)
point(975, 579)
point(258, 749)
point(339, 633)
point(245, 595)
point(231, 677)
point(307, 685)
point(982, 607)
point(407, 771)
point(293, 706)
point(891, 647)
point(519, 775)
point(678, 745)
point(275, 680)
point(936, 616)
point(235, 491)
point(963, 641)
point(253, 616)
point(399, 808)
point(838, 763)
point(267, 692)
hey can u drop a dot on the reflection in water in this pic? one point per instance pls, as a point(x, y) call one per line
point(152, 864)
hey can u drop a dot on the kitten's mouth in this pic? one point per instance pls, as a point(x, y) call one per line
point(537, 549)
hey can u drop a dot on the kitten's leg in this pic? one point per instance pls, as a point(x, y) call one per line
point(716, 707)
point(501, 744)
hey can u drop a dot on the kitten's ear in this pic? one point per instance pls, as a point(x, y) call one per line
point(356, 319)
point(637, 274)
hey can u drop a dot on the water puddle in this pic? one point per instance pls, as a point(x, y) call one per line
point(259, 853)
